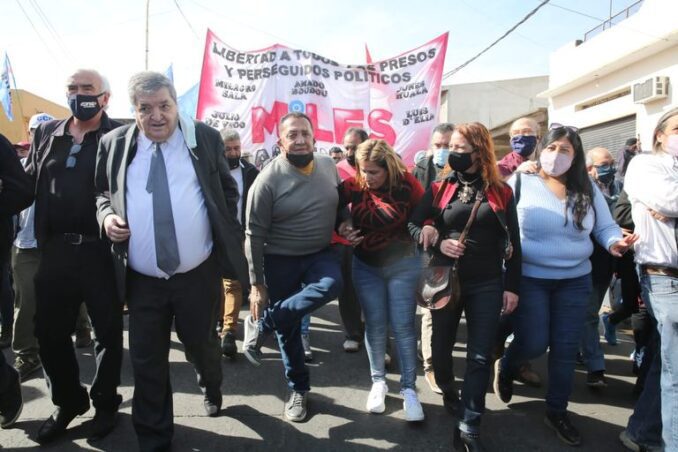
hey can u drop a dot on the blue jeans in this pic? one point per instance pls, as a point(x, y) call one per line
point(481, 302)
point(386, 295)
point(645, 424)
point(660, 293)
point(590, 343)
point(550, 315)
point(297, 285)
point(306, 324)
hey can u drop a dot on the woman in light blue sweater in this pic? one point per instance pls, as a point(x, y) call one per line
point(559, 211)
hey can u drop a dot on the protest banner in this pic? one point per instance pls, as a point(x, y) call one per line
point(396, 100)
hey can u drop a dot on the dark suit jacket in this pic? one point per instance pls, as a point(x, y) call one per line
point(16, 193)
point(425, 172)
point(44, 137)
point(116, 151)
point(249, 173)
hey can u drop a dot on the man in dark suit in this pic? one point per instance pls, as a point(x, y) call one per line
point(244, 174)
point(166, 199)
point(16, 193)
point(75, 262)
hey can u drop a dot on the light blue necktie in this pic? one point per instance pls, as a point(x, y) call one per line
point(166, 248)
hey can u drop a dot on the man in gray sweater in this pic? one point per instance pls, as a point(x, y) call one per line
point(290, 217)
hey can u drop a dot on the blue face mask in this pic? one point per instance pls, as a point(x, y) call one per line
point(524, 144)
point(605, 173)
point(440, 156)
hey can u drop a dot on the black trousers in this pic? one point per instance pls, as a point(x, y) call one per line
point(481, 302)
point(191, 300)
point(67, 276)
point(349, 306)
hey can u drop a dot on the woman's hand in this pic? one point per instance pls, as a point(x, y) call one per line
point(621, 246)
point(528, 167)
point(452, 248)
point(510, 302)
point(346, 230)
point(428, 236)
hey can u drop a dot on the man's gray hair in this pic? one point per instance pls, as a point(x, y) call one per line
point(228, 134)
point(105, 85)
point(148, 82)
point(443, 128)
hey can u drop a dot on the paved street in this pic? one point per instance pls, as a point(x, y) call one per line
point(252, 418)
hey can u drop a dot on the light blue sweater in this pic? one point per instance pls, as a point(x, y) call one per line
point(552, 249)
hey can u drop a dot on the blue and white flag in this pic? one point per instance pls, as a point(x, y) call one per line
point(5, 96)
point(169, 73)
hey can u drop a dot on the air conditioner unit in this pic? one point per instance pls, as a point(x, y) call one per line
point(652, 89)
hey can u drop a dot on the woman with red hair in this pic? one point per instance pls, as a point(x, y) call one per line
point(492, 240)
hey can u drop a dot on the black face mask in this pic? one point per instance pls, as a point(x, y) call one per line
point(300, 160)
point(84, 106)
point(460, 161)
point(233, 162)
point(351, 159)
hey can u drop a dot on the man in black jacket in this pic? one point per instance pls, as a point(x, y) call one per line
point(75, 262)
point(166, 198)
point(244, 174)
point(428, 169)
point(16, 193)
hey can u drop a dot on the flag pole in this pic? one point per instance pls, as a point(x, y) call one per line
point(148, 4)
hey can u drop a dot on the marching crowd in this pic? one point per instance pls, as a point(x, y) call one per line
point(165, 218)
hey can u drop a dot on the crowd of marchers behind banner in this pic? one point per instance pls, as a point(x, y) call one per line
point(166, 220)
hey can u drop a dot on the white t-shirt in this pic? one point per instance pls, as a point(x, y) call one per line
point(237, 175)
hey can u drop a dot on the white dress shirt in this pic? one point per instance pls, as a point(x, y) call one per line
point(652, 183)
point(237, 175)
point(191, 223)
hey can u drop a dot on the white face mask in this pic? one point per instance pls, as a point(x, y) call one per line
point(672, 145)
point(554, 163)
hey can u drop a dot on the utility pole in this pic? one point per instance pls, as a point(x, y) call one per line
point(148, 4)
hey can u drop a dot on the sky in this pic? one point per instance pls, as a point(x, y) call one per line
point(47, 40)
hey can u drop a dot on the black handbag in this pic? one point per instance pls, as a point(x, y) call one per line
point(439, 284)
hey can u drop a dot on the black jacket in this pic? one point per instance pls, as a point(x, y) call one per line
point(16, 193)
point(44, 136)
point(249, 173)
point(116, 151)
point(426, 172)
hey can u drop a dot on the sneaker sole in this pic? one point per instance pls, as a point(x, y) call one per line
point(252, 359)
point(12, 421)
point(561, 437)
point(377, 410)
point(415, 419)
point(628, 442)
point(296, 419)
point(495, 383)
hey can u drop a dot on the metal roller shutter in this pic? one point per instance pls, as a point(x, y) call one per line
point(611, 135)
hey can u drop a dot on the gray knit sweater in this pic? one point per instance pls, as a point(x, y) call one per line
point(289, 213)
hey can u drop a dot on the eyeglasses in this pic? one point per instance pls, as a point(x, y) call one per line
point(557, 125)
point(70, 160)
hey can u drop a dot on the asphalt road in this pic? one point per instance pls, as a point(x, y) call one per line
point(252, 416)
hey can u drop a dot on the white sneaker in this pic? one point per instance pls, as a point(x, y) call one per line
point(376, 398)
point(351, 346)
point(413, 410)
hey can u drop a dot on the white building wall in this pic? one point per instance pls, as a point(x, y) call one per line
point(642, 46)
point(493, 103)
